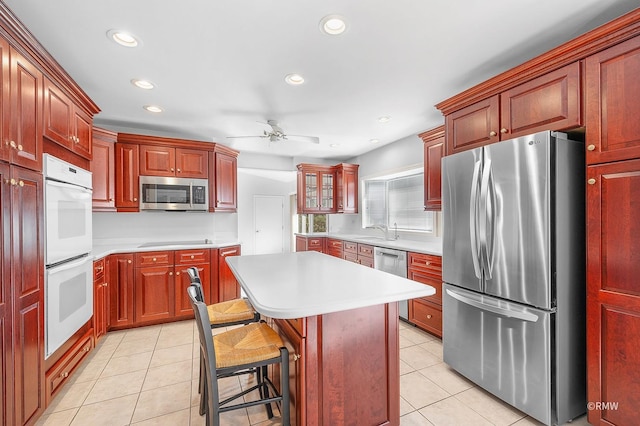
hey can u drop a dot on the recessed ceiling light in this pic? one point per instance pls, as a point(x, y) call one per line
point(374, 140)
point(143, 84)
point(384, 119)
point(333, 25)
point(294, 79)
point(334, 145)
point(123, 38)
point(153, 108)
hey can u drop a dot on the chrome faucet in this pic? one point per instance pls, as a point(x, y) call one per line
point(385, 229)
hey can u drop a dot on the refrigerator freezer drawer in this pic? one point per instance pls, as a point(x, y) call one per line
point(503, 347)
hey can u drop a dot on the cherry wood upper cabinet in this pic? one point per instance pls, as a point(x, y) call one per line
point(433, 153)
point(6, 302)
point(178, 162)
point(64, 122)
point(613, 103)
point(327, 189)
point(347, 188)
point(613, 291)
point(103, 170)
point(549, 102)
point(223, 180)
point(25, 128)
point(127, 177)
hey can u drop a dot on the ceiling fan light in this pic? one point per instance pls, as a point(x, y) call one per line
point(294, 79)
point(123, 38)
point(333, 25)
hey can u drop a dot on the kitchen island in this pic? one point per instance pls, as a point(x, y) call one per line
point(339, 321)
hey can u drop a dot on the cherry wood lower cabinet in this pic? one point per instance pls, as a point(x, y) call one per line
point(613, 293)
point(358, 253)
point(426, 312)
point(100, 298)
point(154, 294)
point(60, 373)
point(228, 287)
point(310, 243)
point(185, 259)
point(121, 290)
point(344, 367)
point(334, 247)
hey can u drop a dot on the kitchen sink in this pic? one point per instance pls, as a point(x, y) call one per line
point(176, 243)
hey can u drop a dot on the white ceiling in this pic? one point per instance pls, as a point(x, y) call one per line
point(219, 65)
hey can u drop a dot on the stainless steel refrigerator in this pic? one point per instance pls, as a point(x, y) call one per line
point(513, 268)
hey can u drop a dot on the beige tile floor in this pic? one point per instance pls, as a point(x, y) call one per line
point(148, 376)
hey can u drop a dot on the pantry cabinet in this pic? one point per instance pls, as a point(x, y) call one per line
point(426, 312)
point(433, 153)
point(65, 123)
point(103, 170)
point(549, 102)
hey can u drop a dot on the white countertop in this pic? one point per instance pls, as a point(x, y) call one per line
point(426, 247)
point(104, 248)
point(302, 284)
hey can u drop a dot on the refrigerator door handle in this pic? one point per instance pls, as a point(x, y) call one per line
point(485, 218)
point(473, 219)
point(505, 312)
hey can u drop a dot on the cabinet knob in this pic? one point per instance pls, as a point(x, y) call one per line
point(172, 169)
point(296, 357)
point(503, 130)
point(105, 285)
point(129, 261)
point(591, 147)
point(492, 133)
point(429, 316)
point(19, 147)
point(135, 199)
point(154, 259)
point(13, 145)
point(179, 171)
point(170, 274)
point(192, 256)
point(427, 263)
point(177, 273)
point(591, 181)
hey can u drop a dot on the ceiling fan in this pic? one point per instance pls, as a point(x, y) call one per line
point(277, 134)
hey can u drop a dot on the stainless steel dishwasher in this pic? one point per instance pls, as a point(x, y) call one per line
point(393, 262)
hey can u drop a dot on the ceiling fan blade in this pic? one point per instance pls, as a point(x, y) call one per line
point(252, 136)
point(312, 139)
point(274, 126)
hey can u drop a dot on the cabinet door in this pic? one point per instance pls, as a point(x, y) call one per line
point(226, 182)
point(327, 191)
point(5, 100)
point(613, 291)
point(99, 299)
point(58, 113)
point(347, 188)
point(157, 161)
point(297, 359)
point(82, 138)
point(613, 103)
point(103, 170)
point(473, 126)
point(27, 239)
point(192, 163)
point(228, 287)
point(25, 136)
point(311, 197)
point(127, 173)
point(427, 316)
point(154, 294)
point(183, 303)
point(549, 102)
point(433, 153)
point(121, 290)
point(6, 313)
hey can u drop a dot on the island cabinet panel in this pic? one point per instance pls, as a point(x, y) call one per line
point(154, 293)
point(103, 170)
point(613, 103)
point(344, 366)
point(127, 177)
point(121, 275)
point(426, 312)
point(549, 102)
point(613, 292)
point(433, 153)
point(228, 287)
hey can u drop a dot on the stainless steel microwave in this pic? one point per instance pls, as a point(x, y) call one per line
point(170, 193)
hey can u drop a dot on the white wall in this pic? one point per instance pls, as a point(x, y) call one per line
point(262, 182)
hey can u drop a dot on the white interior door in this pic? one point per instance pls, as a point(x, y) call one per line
point(268, 224)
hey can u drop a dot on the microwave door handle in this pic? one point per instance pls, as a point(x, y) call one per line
point(473, 220)
point(191, 194)
point(505, 312)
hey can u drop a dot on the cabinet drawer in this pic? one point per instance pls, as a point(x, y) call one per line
point(299, 324)
point(336, 252)
point(60, 373)
point(426, 316)
point(334, 244)
point(428, 279)
point(365, 250)
point(426, 263)
point(98, 270)
point(350, 247)
point(314, 243)
point(154, 258)
point(191, 257)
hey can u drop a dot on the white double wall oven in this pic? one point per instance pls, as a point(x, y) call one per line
point(69, 271)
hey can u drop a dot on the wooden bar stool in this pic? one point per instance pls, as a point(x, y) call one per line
point(240, 351)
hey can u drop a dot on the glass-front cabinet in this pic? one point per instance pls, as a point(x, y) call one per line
point(316, 184)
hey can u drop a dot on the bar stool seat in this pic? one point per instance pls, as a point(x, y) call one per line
point(245, 345)
point(229, 312)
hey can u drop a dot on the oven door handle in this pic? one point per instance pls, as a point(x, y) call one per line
point(69, 265)
point(69, 186)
